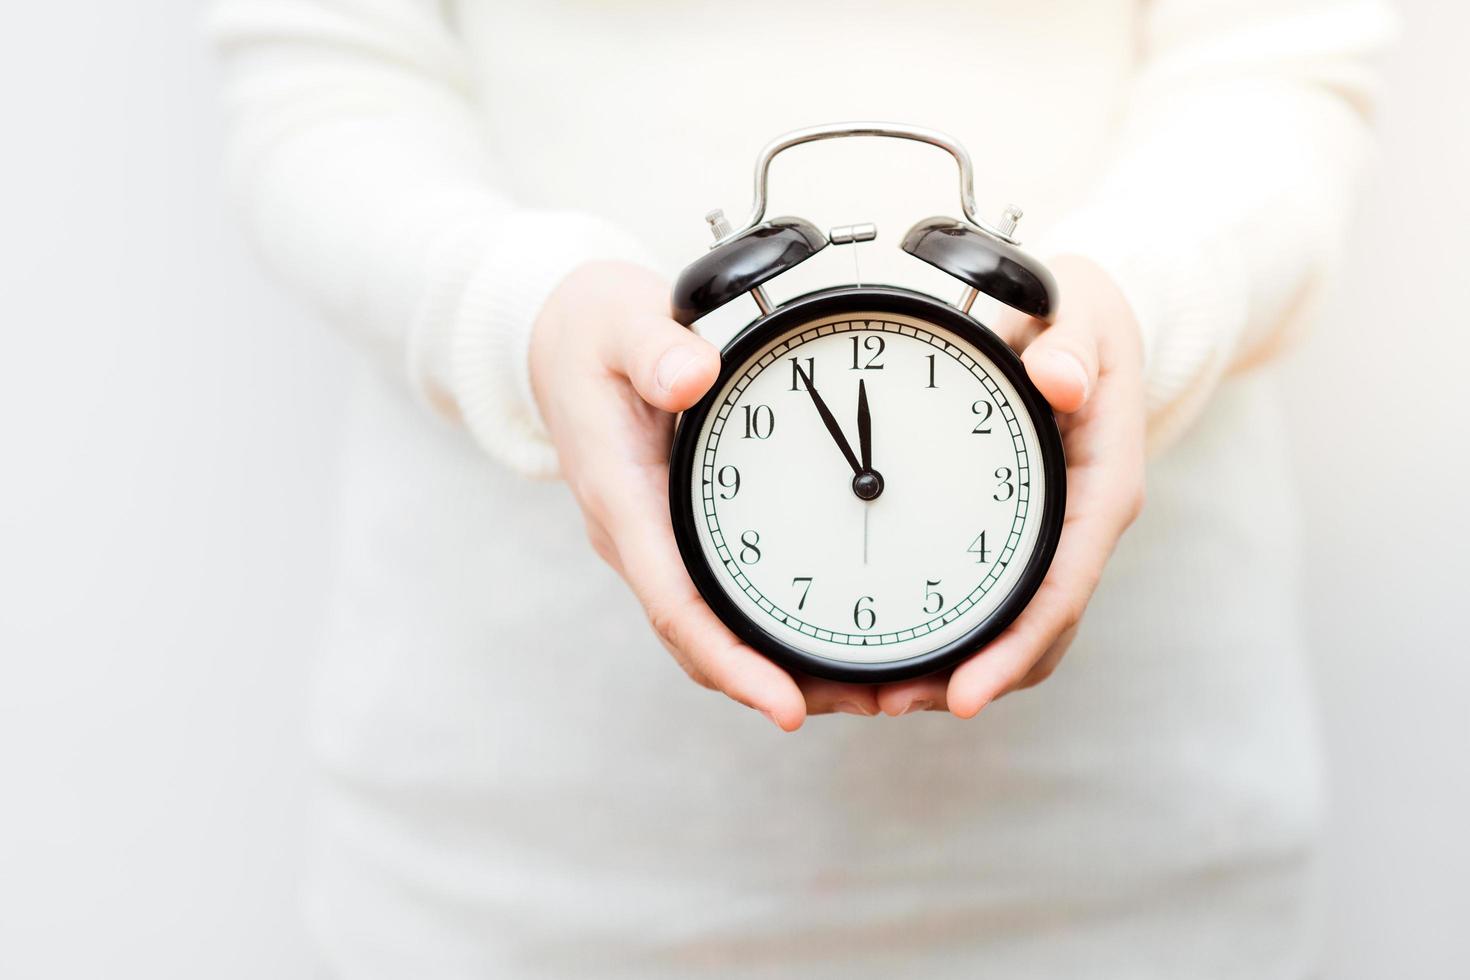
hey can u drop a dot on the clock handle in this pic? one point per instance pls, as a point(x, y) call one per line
point(1002, 232)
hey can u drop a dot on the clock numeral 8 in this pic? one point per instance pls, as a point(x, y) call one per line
point(751, 552)
point(864, 618)
point(760, 422)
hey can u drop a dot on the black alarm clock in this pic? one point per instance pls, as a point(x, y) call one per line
point(873, 489)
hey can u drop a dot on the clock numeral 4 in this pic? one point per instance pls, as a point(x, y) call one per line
point(729, 478)
point(932, 597)
point(977, 547)
point(872, 346)
point(1006, 489)
point(805, 580)
point(863, 617)
point(750, 551)
point(760, 422)
point(983, 409)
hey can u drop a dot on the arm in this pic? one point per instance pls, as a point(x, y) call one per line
point(357, 155)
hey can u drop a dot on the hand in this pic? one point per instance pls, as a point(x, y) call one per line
point(609, 367)
point(1089, 366)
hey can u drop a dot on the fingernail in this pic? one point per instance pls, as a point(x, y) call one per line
point(1069, 363)
point(851, 708)
point(671, 365)
point(919, 704)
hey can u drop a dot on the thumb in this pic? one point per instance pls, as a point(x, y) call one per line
point(670, 366)
point(1063, 363)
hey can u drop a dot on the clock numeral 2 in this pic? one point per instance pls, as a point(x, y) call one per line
point(760, 422)
point(931, 595)
point(859, 612)
point(977, 547)
point(983, 409)
point(811, 372)
point(801, 603)
point(750, 553)
point(873, 346)
point(729, 478)
point(1005, 476)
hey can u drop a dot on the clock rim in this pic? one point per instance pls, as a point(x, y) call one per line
point(880, 299)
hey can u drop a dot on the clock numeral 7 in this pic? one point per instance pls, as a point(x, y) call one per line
point(801, 603)
point(873, 346)
point(760, 422)
point(863, 617)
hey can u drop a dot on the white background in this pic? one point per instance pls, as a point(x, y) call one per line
point(167, 422)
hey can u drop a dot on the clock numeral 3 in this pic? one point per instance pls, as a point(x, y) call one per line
point(1004, 490)
point(760, 422)
point(811, 372)
point(729, 478)
point(863, 617)
point(977, 547)
point(983, 409)
point(801, 603)
point(750, 553)
point(931, 596)
point(872, 345)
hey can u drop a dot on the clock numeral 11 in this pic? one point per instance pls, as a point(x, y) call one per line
point(811, 372)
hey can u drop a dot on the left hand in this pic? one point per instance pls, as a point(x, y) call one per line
point(1089, 366)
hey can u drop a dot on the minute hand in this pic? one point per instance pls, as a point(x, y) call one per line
point(830, 422)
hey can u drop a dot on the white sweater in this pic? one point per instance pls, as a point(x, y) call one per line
point(425, 172)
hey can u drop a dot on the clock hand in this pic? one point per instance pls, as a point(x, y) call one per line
point(865, 427)
point(830, 422)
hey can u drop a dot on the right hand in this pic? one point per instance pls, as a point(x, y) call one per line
point(609, 368)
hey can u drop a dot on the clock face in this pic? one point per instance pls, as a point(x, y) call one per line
point(867, 486)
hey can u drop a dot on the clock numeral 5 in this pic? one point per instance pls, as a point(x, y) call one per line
point(760, 422)
point(801, 603)
point(863, 617)
point(931, 596)
point(873, 346)
point(983, 409)
point(1004, 490)
point(750, 553)
point(729, 478)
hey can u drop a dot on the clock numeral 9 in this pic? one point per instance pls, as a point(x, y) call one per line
point(873, 346)
point(977, 547)
point(931, 596)
point(863, 617)
point(750, 553)
point(983, 409)
point(801, 603)
point(729, 478)
point(1004, 490)
point(760, 422)
point(811, 372)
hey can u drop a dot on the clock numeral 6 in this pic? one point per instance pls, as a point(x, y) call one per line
point(760, 422)
point(863, 617)
point(729, 478)
point(1004, 490)
point(801, 603)
point(931, 596)
point(751, 552)
point(983, 409)
point(873, 346)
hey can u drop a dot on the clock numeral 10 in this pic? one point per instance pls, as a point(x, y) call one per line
point(872, 346)
point(760, 422)
point(750, 551)
point(863, 617)
point(811, 372)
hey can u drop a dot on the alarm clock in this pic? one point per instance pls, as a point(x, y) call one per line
point(873, 489)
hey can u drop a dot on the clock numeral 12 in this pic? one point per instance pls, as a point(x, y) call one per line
point(873, 345)
point(760, 422)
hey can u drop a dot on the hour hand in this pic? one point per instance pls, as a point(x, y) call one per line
point(829, 421)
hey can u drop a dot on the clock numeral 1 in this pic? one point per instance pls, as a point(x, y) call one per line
point(729, 478)
point(931, 383)
point(760, 422)
point(811, 372)
point(932, 596)
point(864, 618)
point(801, 603)
point(983, 409)
point(977, 547)
point(750, 552)
point(873, 346)
point(1005, 476)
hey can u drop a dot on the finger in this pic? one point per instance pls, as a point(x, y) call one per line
point(825, 697)
point(1063, 363)
point(1047, 665)
point(670, 366)
point(916, 694)
point(639, 526)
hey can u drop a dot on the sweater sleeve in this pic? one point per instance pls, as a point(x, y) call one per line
point(1231, 180)
point(358, 158)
